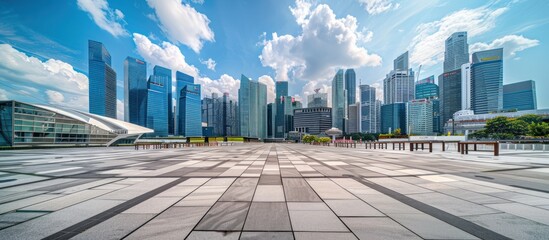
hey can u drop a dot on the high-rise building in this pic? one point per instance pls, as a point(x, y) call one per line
point(317, 99)
point(456, 51)
point(181, 80)
point(369, 110)
point(339, 101)
point(393, 117)
point(280, 116)
point(102, 81)
point(350, 85)
point(520, 96)
point(157, 105)
point(190, 122)
point(221, 114)
point(312, 120)
point(135, 91)
point(466, 86)
point(252, 97)
point(426, 88)
point(167, 73)
point(398, 85)
point(420, 117)
point(487, 81)
point(450, 95)
point(354, 118)
point(271, 115)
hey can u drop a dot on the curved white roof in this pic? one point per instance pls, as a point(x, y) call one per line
point(105, 123)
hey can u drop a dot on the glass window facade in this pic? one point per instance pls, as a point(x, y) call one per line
point(182, 80)
point(190, 107)
point(520, 96)
point(135, 91)
point(393, 116)
point(450, 96)
point(315, 120)
point(102, 81)
point(157, 102)
point(339, 101)
point(487, 81)
point(350, 85)
point(167, 74)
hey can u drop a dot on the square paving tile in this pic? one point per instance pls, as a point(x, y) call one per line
point(269, 193)
point(225, 216)
point(268, 216)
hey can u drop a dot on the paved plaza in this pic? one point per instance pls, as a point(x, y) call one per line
point(271, 191)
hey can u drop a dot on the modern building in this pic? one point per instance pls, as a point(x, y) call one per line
point(280, 115)
point(350, 85)
point(313, 120)
point(393, 116)
point(520, 96)
point(426, 88)
point(135, 91)
point(167, 74)
point(221, 114)
point(190, 121)
point(102, 81)
point(369, 110)
point(354, 118)
point(487, 81)
point(271, 115)
point(420, 117)
point(317, 99)
point(398, 85)
point(450, 94)
point(466, 86)
point(181, 80)
point(32, 125)
point(339, 101)
point(252, 97)
point(456, 51)
point(157, 105)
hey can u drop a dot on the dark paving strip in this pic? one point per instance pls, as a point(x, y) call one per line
point(80, 227)
point(469, 227)
point(511, 169)
point(510, 180)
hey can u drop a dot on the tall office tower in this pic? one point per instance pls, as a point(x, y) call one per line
point(368, 109)
point(280, 116)
point(312, 120)
point(456, 51)
point(190, 122)
point(225, 116)
point(450, 95)
point(252, 97)
point(487, 81)
point(466, 86)
point(350, 85)
point(135, 91)
point(426, 88)
point(157, 105)
point(181, 80)
point(271, 115)
point(420, 117)
point(339, 101)
point(290, 104)
point(167, 73)
point(520, 96)
point(398, 85)
point(317, 99)
point(354, 118)
point(378, 117)
point(207, 112)
point(393, 116)
point(102, 81)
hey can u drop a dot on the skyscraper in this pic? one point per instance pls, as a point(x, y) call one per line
point(369, 109)
point(190, 122)
point(102, 81)
point(456, 51)
point(339, 101)
point(317, 99)
point(167, 73)
point(157, 105)
point(401, 62)
point(135, 91)
point(280, 116)
point(350, 86)
point(354, 118)
point(487, 81)
point(313, 120)
point(252, 97)
point(182, 80)
point(450, 95)
point(393, 117)
point(426, 88)
point(271, 115)
point(466, 86)
point(398, 85)
point(520, 96)
point(420, 117)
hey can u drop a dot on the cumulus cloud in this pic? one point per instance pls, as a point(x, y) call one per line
point(325, 44)
point(106, 18)
point(511, 44)
point(220, 86)
point(374, 7)
point(427, 47)
point(119, 109)
point(55, 97)
point(268, 80)
point(210, 63)
point(325, 86)
point(182, 23)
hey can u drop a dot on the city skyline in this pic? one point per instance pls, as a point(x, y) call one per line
point(155, 41)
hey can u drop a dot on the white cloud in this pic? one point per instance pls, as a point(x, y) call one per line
point(210, 63)
point(325, 86)
point(106, 18)
point(365, 36)
point(55, 97)
point(119, 109)
point(374, 7)
point(182, 23)
point(220, 86)
point(3, 94)
point(511, 44)
point(268, 80)
point(198, 1)
point(427, 47)
point(325, 44)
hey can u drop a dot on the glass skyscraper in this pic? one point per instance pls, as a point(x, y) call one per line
point(280, 115)
point(450, 94)
point(317, 99)
point(135, 91)
point(350, 85)
point(393, 117)
point(456, 51)
point(520, 96)
point(426, 88)
point(157, 105)
point(182, 80)
point(369, 109)
point(487, 81)
point(339, 101)
point(167, 73)
point(102, 81)
point(398, 85)
point(420, 117)
point(252, 97)
point(190, 124)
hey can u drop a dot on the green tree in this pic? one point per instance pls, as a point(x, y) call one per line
point(497, 125)
point(518, 127)
point(325, 140)
point(530, 118)
point(538, 129)
point(397, 132)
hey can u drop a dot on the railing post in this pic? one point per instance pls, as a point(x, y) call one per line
point(496, 148)
point(430, 146)
point(411, 147)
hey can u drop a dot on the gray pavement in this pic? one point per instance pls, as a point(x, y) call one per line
point(271, 191)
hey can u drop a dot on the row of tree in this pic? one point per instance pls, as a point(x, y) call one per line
point(313, 138)
point(530, 125)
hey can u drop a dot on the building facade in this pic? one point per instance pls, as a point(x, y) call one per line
point(317, 99)
point(167, 74)
point(157, 105)
point(456, 51)
point(354, 118)
point(487, 81)
point(399, 85)
point(315, 120)
point(450, 94)
point(252, 99)
point(339, 101)
point(369, 110)
point(135, 91)
point(466, 86)
point(350, 85)
point(420, 117)
point(393, 116)
point(102, 81)
point(426, 88)
point(221, 114)
point(520, 96)
point(190, 122)
point(181, 80)
point(281, 113)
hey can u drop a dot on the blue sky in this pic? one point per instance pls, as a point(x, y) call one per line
point(43, 47)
